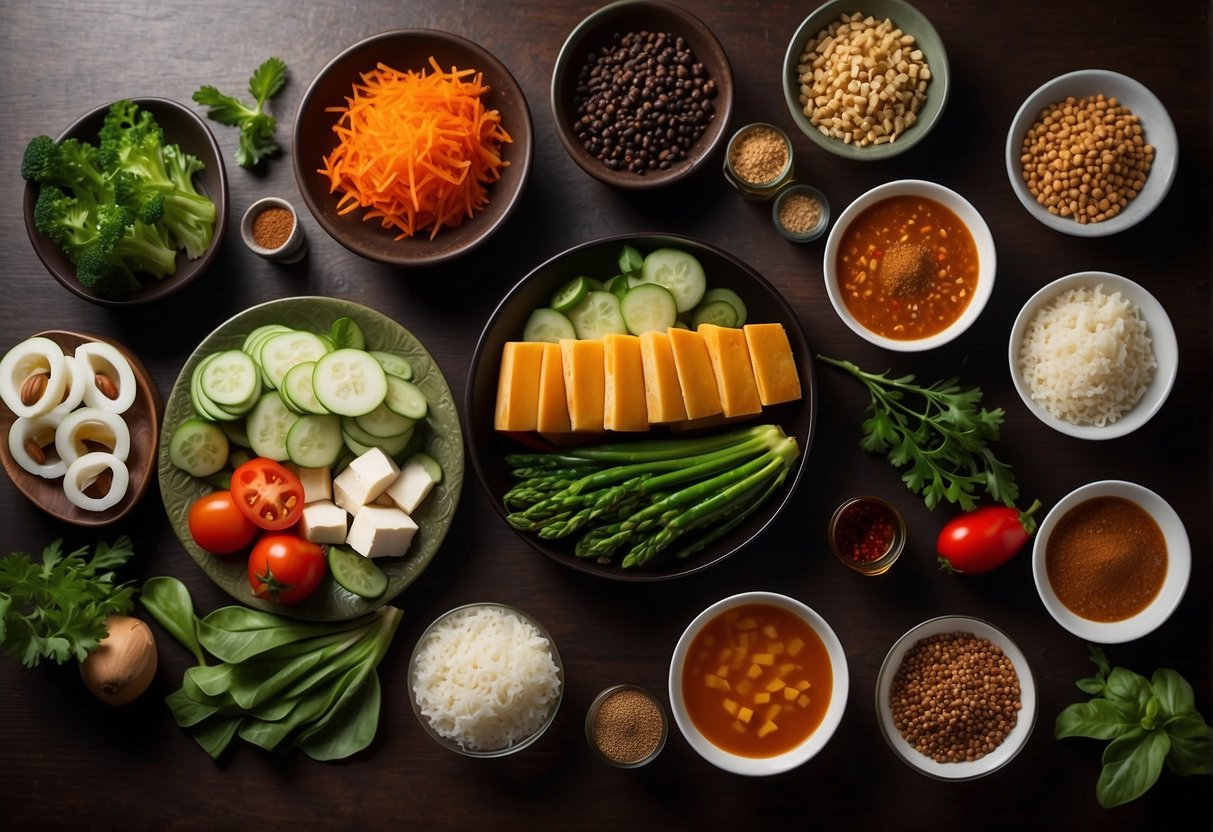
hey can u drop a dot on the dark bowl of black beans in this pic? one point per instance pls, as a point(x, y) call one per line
point(641, 94)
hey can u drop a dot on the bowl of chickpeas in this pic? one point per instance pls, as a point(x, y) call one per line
point(1091, 153)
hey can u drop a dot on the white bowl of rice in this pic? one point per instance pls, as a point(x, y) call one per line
point(485, 680)
point(1093, 355)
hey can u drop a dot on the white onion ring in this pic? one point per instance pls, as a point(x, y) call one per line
point(33, 355)
point(41, 429)
point(75, 388)
point(91, 423)
point(81, 474)
point(100, 357)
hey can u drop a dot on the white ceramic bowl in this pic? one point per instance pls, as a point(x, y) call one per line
point(1015, 740)
point(1179, 564)
point(982, 238)
point(759, 766)
point(1156, 125)
point(1162, 341)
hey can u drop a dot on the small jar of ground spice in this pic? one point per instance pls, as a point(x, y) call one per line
point(801, 213)
point(626, 726)
point(758, 161)
point(867, 534)
point(271, 229)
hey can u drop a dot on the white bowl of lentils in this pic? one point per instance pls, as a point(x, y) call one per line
point(934, 730)
point(1091, 153)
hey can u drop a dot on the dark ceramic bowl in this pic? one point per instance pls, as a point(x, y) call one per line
point(314, 140)
point(597, 31)
point(182, 127)
point(488, 449)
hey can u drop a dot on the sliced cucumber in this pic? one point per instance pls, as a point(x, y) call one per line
point(648, 307)
point(429, 465)
point(405, 399)
point(359, 441)
point(268, 426)
point(284, 350)
point(235, 432)
point(258, 336)
point(717, 312)
point(548, 325)
point(203, 406)
point(598, 315)
point(361, 576)
point(384, 423)
point(679, 272)
point(297, 389)
point(315, 441)
point(571, 294)
point(731, 298)
point(231, 379)
point(199, 448)
point(349, 382)
point(393, 365)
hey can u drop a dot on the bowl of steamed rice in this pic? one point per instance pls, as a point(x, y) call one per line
point(485, 680)
point(1093, 355)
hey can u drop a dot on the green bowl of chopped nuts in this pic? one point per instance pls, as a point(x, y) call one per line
point(941, 654)
point(882, 111)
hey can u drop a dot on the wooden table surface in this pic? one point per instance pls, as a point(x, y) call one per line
point(67, 761)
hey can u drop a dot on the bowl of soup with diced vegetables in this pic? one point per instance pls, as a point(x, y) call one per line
point(909, 265)
point(758, 683)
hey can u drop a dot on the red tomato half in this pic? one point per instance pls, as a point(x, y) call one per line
point(984, 539)
point(218, 525)
point(285, 568)
point(268, 494)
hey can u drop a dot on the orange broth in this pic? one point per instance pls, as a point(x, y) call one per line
point(757, 680)
point(936, 272)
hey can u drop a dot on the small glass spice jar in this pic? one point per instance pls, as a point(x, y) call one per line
point(626, 726)
point(271, 228)
point(758, 161)
point(801, 213)
point(867, 534)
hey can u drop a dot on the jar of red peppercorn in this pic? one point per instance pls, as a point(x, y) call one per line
point(867, 534)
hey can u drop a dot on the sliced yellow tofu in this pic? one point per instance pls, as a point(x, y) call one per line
point(730, 359)
point(518, 386)
point(624, 407)
point(553, 416)
point(584, 383)
point(774, 367)
point(695, 377)
point(662, 393)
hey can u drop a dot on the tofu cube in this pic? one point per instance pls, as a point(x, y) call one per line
point(323, 522)
point(317, 484)
point(348, 491)
point(411, 487)
point(377, 470)
point(379, 532)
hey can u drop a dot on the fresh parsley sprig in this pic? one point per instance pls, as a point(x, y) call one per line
point(57, 609)
point(256, 125)
point(939, 434)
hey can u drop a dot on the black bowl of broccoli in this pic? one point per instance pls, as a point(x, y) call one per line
point(129, 204)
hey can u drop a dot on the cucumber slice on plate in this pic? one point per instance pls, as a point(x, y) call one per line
point(361, 576)
point(393, 365)
point(235, 432)
point(384, 423)
point(679, 272)
point(405, 399)
point(648, 307)
point(349, 382)
point(268, 426)
point(359, 441)
point(731, 298)
point(547, 325)
point(598, 315)
point(198, 447)
point(284, 350)
point(717, 312)
point(429, 465)
point(230, 379)
point(297, 391)
point(315, 441)
point(254, 340)
point(571, 294)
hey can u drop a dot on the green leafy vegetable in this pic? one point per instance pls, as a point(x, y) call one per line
point(57, 609)
point(280, 683)
point(938, 434)
point(1148, 722)
point(345, 333)
point(256, 125)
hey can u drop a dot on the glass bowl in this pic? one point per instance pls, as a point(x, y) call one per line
point(818, 228)
point(868, 554)
point(626, 736)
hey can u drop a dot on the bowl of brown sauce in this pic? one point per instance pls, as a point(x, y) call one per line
point(1111, 561)
point(909, 265)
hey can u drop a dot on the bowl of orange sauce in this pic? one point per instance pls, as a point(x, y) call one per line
point(1111, 561)
point(909, 265)
point(758, 683)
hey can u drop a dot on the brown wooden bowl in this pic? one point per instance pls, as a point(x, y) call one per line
point(143, 419)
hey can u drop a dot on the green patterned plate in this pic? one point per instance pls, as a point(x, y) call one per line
point(444, 442)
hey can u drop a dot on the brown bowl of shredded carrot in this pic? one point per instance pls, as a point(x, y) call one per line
point(412, 147)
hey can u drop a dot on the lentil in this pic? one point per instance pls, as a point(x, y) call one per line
point(642, 101)
point(1085, 158)
point(758, 155)
point(628, 726)
point(955, 697)
point(273, 227)
point(800, 213)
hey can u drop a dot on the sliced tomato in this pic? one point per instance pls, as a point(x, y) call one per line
point(267, 493)
point(285, 568)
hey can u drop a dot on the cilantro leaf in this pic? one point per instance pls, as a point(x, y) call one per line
point(268, 79)
point(256, 126)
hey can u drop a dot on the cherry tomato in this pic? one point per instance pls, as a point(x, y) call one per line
point(268, 494)
point(984, 539)
point(218, 525)
point(285, 568)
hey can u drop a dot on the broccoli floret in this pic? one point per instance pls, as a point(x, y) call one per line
point(145, 202)
point(70, 225)
point(124, 247)
point(97, 272)
point(70, 165)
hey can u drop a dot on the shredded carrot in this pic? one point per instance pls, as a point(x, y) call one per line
point(416, 148)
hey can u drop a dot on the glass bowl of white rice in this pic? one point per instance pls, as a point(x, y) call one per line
point(1093, 355)
point(485, 680)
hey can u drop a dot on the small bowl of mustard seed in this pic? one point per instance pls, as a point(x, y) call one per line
point(626, 726)
point(642, 93)
point(270, 228)
point(801, 213)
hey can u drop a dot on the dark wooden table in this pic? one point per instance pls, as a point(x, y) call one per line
point(67, 761)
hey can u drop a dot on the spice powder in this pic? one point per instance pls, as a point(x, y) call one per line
point(273, 227)
point(800, 213)
point(628, 726)
point(758, 155)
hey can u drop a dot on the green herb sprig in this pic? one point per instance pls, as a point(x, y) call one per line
point(1149, 722)
point(939, 434)
point(256, 125)
point(56, 609)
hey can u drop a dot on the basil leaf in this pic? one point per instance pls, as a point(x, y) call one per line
point(1190, 746)
point(1098, 719)
point(1100, 660)
point(1174, 694)
point(346, 333)
point(1092, 685)
point(1131, 764)
point(1128, 690)
point(630, 260)
point(168, 601)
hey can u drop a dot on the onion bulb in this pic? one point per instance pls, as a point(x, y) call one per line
point(123, 666)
